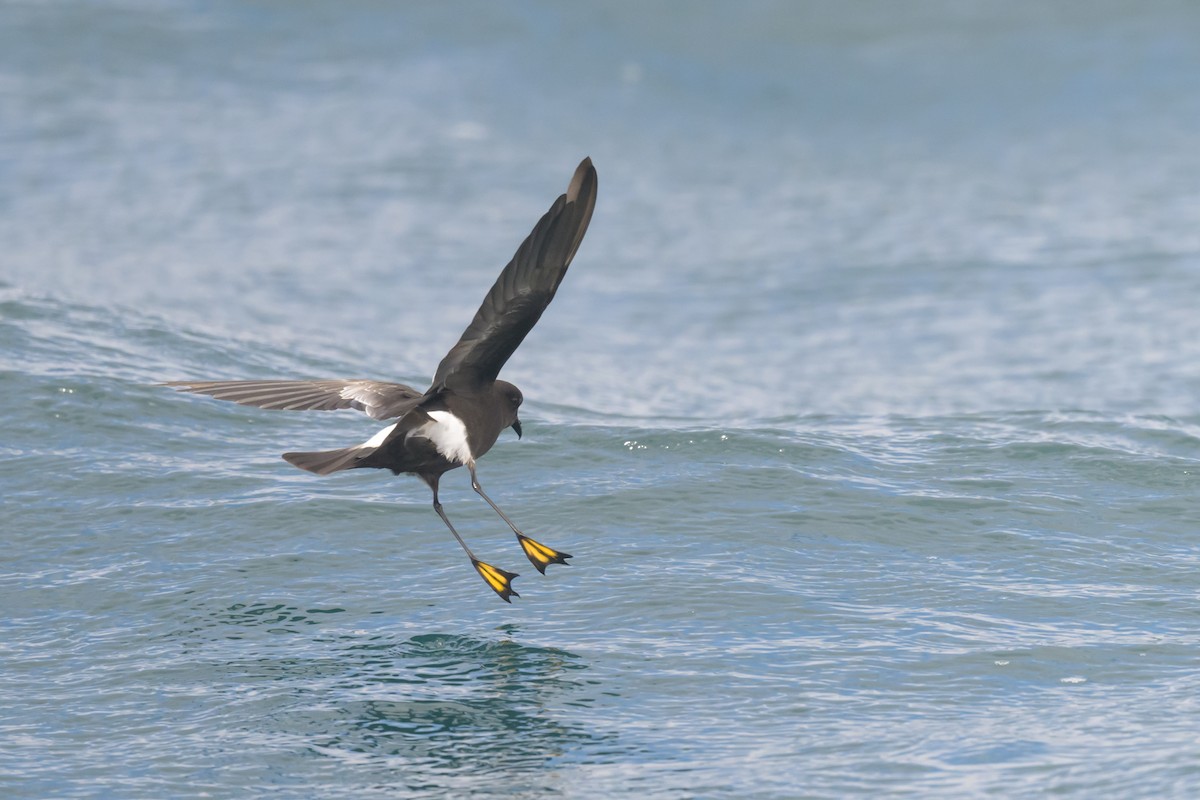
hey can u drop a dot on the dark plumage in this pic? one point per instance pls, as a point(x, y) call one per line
point(460, 416)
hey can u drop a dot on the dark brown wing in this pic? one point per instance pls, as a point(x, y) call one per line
point(380, 400)
point(523, 290)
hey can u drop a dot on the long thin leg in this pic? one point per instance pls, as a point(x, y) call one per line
point(498, 579)
point(538, 554)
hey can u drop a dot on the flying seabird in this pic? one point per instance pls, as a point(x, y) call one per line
point(460, 416)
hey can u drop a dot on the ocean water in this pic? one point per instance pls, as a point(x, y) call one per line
point(870, 408)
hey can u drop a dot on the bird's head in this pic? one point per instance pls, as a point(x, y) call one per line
point(512, 401)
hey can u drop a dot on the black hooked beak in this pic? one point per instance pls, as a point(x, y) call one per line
point(516, 426)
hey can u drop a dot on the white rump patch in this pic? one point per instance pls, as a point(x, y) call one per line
point(448, 435)
point(378, 438)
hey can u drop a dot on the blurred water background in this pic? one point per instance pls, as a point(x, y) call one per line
point(870, 408)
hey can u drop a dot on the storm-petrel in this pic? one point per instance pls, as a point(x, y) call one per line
point(460, 416)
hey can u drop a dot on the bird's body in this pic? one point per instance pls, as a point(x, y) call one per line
point(462, 414)
point(430, 439)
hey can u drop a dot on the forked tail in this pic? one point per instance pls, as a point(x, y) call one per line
point(327, 461)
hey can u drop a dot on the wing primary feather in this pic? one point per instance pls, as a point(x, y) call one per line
point(524, 288)
point(379, 400)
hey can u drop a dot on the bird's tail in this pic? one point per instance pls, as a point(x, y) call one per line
point(327, 461)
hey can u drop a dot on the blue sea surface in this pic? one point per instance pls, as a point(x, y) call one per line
point(869, 409)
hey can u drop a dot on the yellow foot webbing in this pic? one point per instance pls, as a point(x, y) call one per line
point(498, 579)
point(540, 555)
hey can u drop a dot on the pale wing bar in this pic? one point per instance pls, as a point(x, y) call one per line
point(376, 398)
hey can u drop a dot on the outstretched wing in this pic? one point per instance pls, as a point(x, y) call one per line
point(523, 290)
point(378, 399)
